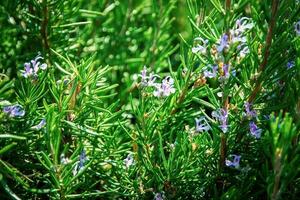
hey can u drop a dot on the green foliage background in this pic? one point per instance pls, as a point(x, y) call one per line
point(91, 101)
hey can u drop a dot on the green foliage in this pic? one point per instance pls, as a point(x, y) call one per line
point(96, 128)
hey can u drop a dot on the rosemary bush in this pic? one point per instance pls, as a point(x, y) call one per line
point(179, 99)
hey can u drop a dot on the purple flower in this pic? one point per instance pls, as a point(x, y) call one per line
point(297, 28)
point(290, 64)
point(222, 116)
point(151, 79)
point(201, 124)
point(40, 125)
point(144, 77)
point(243, 24)
point(211, 71)
point(226, 70)
point(254, 130)
point(14, 111)
point(28, 70)
point(235, 161)
point(31, 68)
point(147, 80)
point(201, 47)
point(158, 196)
point(223, 43)
point(165, 88)
point(128, 161)
point(249, 112)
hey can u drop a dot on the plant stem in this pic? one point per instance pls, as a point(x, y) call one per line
point(44, 27)
point(268, 44)
point(226, 101)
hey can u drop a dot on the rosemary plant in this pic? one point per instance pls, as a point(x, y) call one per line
point(150, 99)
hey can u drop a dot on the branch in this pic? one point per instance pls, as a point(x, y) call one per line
point(44, 27)
point(264, 63)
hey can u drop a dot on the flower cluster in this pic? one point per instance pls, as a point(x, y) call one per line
point(251, 113)
point(31, 68)
point(14, 110)
point(163, 89)
point(221, 115)
point(236, 38)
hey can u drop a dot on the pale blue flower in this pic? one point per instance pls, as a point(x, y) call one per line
point(14, 110)
point(201, 124)
point(82, 159)
point(31, 68)
point(40, 125)
point(80, 165)
point(147, 80)
point(234, 161)
point(210, 71)
point(129, 160)
point(254, 130)
point(165, 88)
point(221, 115)
point(249, 111)
point(223, 43)
point(243, 24)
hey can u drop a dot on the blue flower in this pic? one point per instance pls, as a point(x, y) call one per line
point(40, 125)
point(243, 24)
point(211, 71)
point(31, 68)
point(165, 88)
point(82, 159)
point(290, 64)
point(249, 112)
point(80, 165)
point(201, 124)
point(221, 115)
point(144, 77)
point(147, 80)
point(254, 130)
point(235, 162)
point(128, 161)
point(223, 43)
point(14, 110)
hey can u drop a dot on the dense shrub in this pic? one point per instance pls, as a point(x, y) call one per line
point(180, 99)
